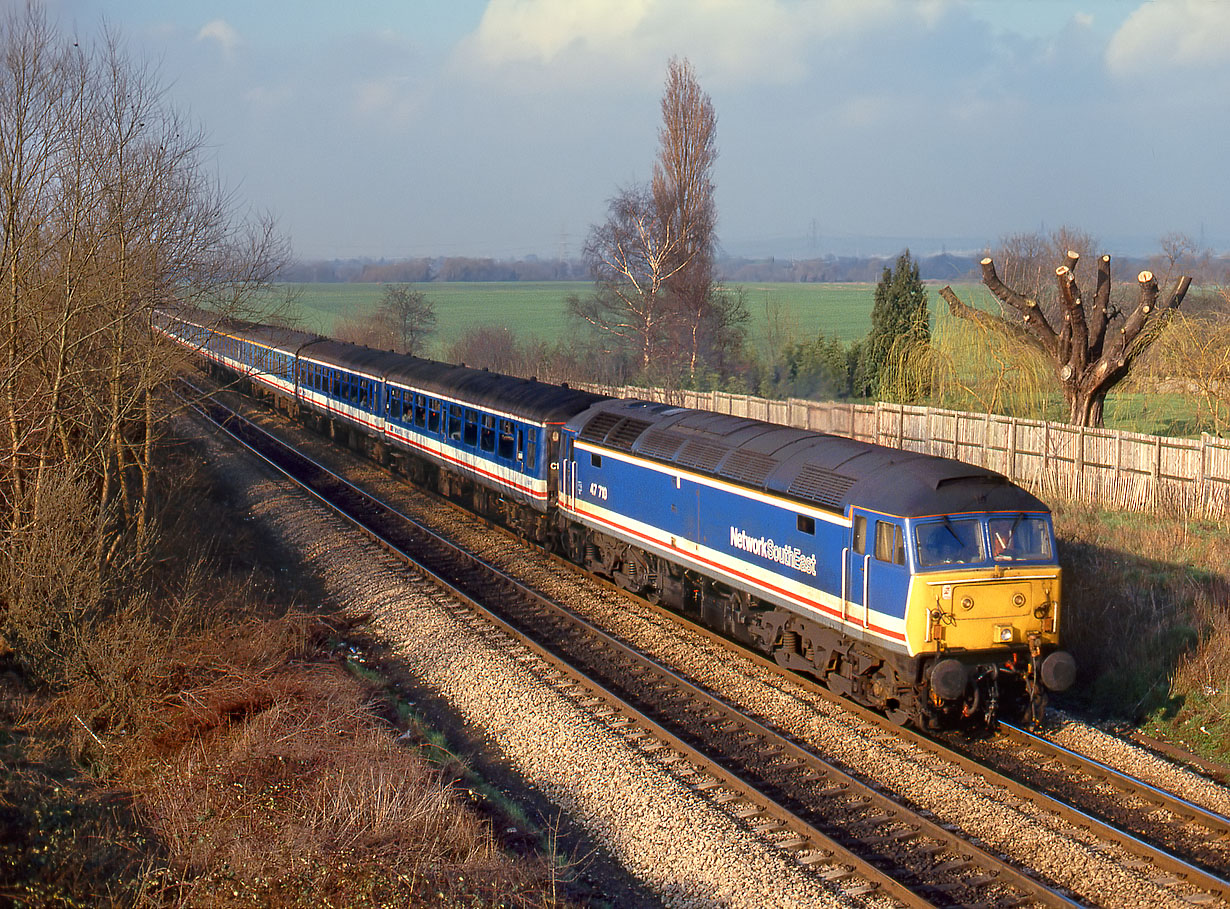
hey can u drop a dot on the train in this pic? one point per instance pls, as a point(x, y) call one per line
point(919, 586)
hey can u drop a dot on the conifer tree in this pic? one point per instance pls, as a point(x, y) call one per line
point(899, 326)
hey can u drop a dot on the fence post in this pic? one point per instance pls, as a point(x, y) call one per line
point(1079, 470)
point(1011, 454)
point(1156, 473)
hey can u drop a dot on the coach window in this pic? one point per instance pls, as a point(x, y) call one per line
point(486, 439)
point(454, 422)
point(363, 393)
point(807, 524)
point(890, 544)
point(508, 440)
point(471, 434)
point(433, 415)
point(531, 453)
point(420, 411)
point(396, 404)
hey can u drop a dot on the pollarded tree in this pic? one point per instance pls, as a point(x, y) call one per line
point(1091, 347)
point(900, 324)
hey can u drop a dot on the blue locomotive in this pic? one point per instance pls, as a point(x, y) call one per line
point(921, 586)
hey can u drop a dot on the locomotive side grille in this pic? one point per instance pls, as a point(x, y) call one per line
point(702, 455)
point(750, 467)
point(627, 432)
point(597, 428)
point(821, 485)
point(661, 443)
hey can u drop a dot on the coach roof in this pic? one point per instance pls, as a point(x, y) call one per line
point(532, 400)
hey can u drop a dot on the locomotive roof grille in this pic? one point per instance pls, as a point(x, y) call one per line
point(702, 454)
point(748, 467)
point(821, 485)
point(597, 428)
point(661, 443)
point(627, 432)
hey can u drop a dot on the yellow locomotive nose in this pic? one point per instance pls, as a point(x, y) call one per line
point(978, 611)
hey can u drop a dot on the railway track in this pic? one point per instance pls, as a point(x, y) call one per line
point(1172, 842)
point(830, 822)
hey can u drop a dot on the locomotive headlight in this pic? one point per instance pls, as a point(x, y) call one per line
point(1018, 600)
point(967, 603)
point(1003, 634)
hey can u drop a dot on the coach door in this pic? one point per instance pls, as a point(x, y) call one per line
point(561, 453)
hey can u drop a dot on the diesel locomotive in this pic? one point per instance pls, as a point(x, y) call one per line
point(923, 587)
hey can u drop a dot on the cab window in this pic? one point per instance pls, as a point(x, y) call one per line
point(949, 542)
point(1019, 538)
point(890, 544)
point(860, 534)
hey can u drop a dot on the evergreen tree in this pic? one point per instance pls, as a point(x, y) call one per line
point(899, 326)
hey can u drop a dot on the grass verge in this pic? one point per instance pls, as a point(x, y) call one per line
point(1148, 620)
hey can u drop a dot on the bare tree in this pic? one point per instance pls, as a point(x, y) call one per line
point(402, 320)
point(1088, 355)
point(632, 255)
point(410, 316)
point(683, 194)
point(108, 212)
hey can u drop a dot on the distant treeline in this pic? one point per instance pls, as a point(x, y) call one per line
point(945, 267)
point(825, 269)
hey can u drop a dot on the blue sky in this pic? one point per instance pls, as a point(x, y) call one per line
point(500, 127)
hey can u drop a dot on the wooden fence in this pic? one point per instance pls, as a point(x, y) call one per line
point(1124, 471)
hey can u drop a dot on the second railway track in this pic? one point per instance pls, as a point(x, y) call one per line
point(782, 775)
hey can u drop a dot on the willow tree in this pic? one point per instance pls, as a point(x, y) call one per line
point(1090, 344)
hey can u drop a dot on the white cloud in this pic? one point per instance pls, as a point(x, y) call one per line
point(1171, 34)
point(392, 99)
point(221, 31)
point(765, 40)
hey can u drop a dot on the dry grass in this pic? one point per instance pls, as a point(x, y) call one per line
point(265, 773)
point(1148, 619)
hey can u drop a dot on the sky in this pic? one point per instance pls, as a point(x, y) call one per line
point(500, 128)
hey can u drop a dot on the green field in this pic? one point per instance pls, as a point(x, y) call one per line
point(539, 309)
point(784, 312)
